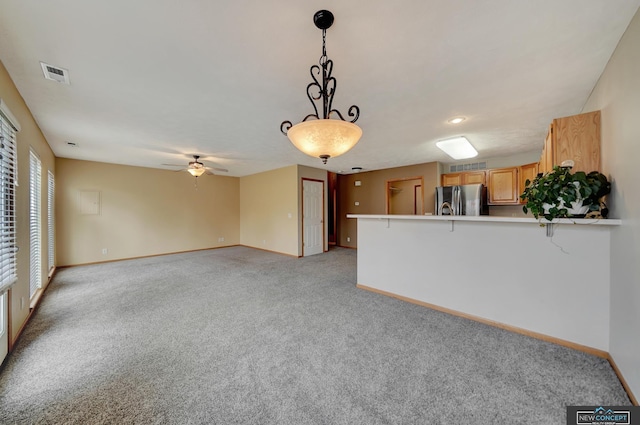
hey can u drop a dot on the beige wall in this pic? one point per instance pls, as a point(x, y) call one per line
point(30, 137)
point(617, 95)
point(269, 215)
point(143, 211)
point(372, 198)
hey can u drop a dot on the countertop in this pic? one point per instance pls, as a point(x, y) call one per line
point(491, 219)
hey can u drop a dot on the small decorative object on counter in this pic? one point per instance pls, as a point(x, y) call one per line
point(561, 193)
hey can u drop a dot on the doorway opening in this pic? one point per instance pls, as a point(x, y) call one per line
point(405, 196)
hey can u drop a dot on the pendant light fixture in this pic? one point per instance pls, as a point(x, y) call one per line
point(323, 136)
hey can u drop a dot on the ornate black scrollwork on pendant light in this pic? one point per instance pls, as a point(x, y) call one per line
point(325, 137)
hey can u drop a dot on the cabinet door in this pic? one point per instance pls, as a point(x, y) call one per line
point(526, 172)
point(578, 138)
point(451, 179)
point(503, 186)
point(549, 150)
point(546, 160)
point(474, 177)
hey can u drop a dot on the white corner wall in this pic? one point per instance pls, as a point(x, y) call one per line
point(484, 269)
point(617, 95)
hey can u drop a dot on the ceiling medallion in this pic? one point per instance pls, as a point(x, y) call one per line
point(323, 137)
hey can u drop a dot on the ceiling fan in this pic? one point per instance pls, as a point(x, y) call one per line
point(197, 168)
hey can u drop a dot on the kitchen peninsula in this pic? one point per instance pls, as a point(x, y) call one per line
point(510, 272)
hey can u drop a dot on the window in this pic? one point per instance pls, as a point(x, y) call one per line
point(51, 220)
point(35, 250)
point(8, 172)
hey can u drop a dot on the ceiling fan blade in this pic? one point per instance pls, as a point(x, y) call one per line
point(173, 165)
point(222, 170)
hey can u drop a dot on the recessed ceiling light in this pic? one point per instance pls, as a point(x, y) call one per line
point(457, 148)
point(356, 169)
point(456, 120)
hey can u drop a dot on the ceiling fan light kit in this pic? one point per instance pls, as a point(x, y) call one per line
point(196, 168)
point(196, 172)
point(322, 136)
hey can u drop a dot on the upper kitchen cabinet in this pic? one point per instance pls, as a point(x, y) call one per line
point(576, 138)
point(466, 177)
point(451, 179)
point(526, 172)
point(503, 186)
point(474, 177)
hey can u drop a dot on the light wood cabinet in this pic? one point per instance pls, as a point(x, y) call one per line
point(465, 177)
point(503, 186)
point(451, 179)
point(474, 177)
point(546, 157)
point(526, 172)
point(576, 138)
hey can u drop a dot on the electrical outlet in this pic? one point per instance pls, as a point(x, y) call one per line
point(104, 251)
point(264, 242)
point(220, 239)
point(348, 239)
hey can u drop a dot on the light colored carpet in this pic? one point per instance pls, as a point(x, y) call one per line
point(242, 336)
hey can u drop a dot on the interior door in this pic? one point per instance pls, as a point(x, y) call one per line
point(312, 217)
point(4, 326)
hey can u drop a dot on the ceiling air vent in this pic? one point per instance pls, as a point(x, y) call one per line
point(55, 73)
point(468, 167)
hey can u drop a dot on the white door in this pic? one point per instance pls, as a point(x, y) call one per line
point(312, 217)
point(4, 326)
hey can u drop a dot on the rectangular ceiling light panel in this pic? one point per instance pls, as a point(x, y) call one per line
point(55, 73)
point(457, 148)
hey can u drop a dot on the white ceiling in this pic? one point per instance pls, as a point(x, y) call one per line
point(155, 81)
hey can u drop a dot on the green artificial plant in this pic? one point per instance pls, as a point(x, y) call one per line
point(552, 194)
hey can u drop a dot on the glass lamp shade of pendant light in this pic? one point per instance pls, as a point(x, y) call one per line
point(196, 172)
point(324, 138)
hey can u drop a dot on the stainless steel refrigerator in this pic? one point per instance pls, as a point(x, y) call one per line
point(468, 199)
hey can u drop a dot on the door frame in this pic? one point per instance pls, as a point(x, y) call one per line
point(5, 299)
point(387, 193)
point(324, 221)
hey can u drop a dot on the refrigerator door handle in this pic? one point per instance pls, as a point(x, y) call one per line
point(456, 207)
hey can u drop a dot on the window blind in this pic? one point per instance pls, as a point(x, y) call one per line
point(35, 251)
point(51, 219)
point(8, 174)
